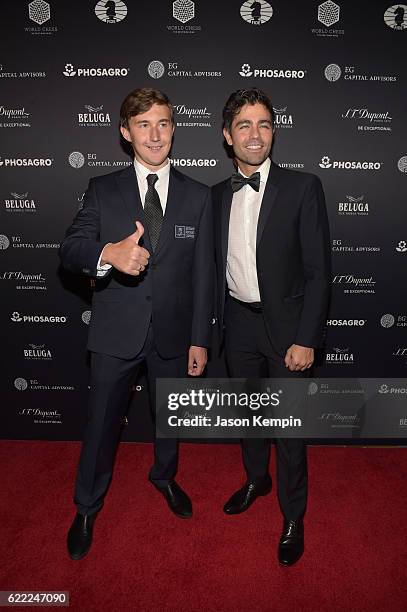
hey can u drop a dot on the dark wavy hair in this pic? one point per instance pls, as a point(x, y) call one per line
point(140, 101)
point(239, 98)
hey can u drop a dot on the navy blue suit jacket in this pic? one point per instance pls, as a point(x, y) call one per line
point(176, 289)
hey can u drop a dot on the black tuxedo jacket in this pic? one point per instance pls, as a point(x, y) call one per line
point(176, 289)
point(292, 255)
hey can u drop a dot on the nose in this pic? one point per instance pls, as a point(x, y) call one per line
point(254, 131)
point(154, 134)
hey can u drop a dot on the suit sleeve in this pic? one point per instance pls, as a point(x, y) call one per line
point(315, 250)
point(203, 279)
point(81, 248)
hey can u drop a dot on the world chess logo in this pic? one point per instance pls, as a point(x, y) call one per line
point(256, 13)
point(328, 13)
point(183, 10)
point(20, 384)
point(246, 71)
point(86, 316)
point(401, 246)
point(76, 159)
point(69, 70)
point(112, 11)
point(396, 17)
point(332, 72)
point(402, 164)
point(325, 162)
point(387, 321)
point(4, 242)
point(39, 11)
point(156, 69)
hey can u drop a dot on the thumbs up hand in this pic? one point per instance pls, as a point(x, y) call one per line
point(127, 256)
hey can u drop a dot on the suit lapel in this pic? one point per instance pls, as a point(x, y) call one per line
point(269, 198)
point(176, 195)
point(128, 187)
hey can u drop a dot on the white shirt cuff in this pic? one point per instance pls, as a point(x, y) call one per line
point(102, 270)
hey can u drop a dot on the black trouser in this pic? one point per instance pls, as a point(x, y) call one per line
point(110, 387)
point(250, 354)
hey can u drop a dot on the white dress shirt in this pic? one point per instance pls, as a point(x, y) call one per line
point(241, 268)
point(162, 189)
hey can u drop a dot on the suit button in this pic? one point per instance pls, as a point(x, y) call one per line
point(148, 298)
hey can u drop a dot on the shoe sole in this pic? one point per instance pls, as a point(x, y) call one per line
point(281, 564)
point(78, 557)
point(182, 516)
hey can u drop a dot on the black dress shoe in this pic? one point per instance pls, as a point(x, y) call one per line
point(177, 500)
point(291, 544)
point(80, 535)
point(244, 497)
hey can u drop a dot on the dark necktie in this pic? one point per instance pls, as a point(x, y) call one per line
point(238, 181)
point(153, 212)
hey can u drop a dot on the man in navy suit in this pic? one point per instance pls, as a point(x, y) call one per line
point(273, 271)
point(145, 234)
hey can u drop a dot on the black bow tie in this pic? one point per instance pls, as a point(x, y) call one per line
point(238, 181)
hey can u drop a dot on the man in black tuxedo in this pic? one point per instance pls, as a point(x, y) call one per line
point(273, 270)
point(153, 296)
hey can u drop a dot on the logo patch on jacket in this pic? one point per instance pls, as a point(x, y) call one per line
point(184, 231)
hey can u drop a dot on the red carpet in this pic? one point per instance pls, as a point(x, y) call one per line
point(144, 558)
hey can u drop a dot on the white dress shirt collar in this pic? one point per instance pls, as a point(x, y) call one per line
point(142, 172)
point(264, 170)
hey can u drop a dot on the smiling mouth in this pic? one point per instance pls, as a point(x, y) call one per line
point(154, 148)
point(254, 147)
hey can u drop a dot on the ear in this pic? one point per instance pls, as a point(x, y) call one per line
point(228, 137)
point(125, 133)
